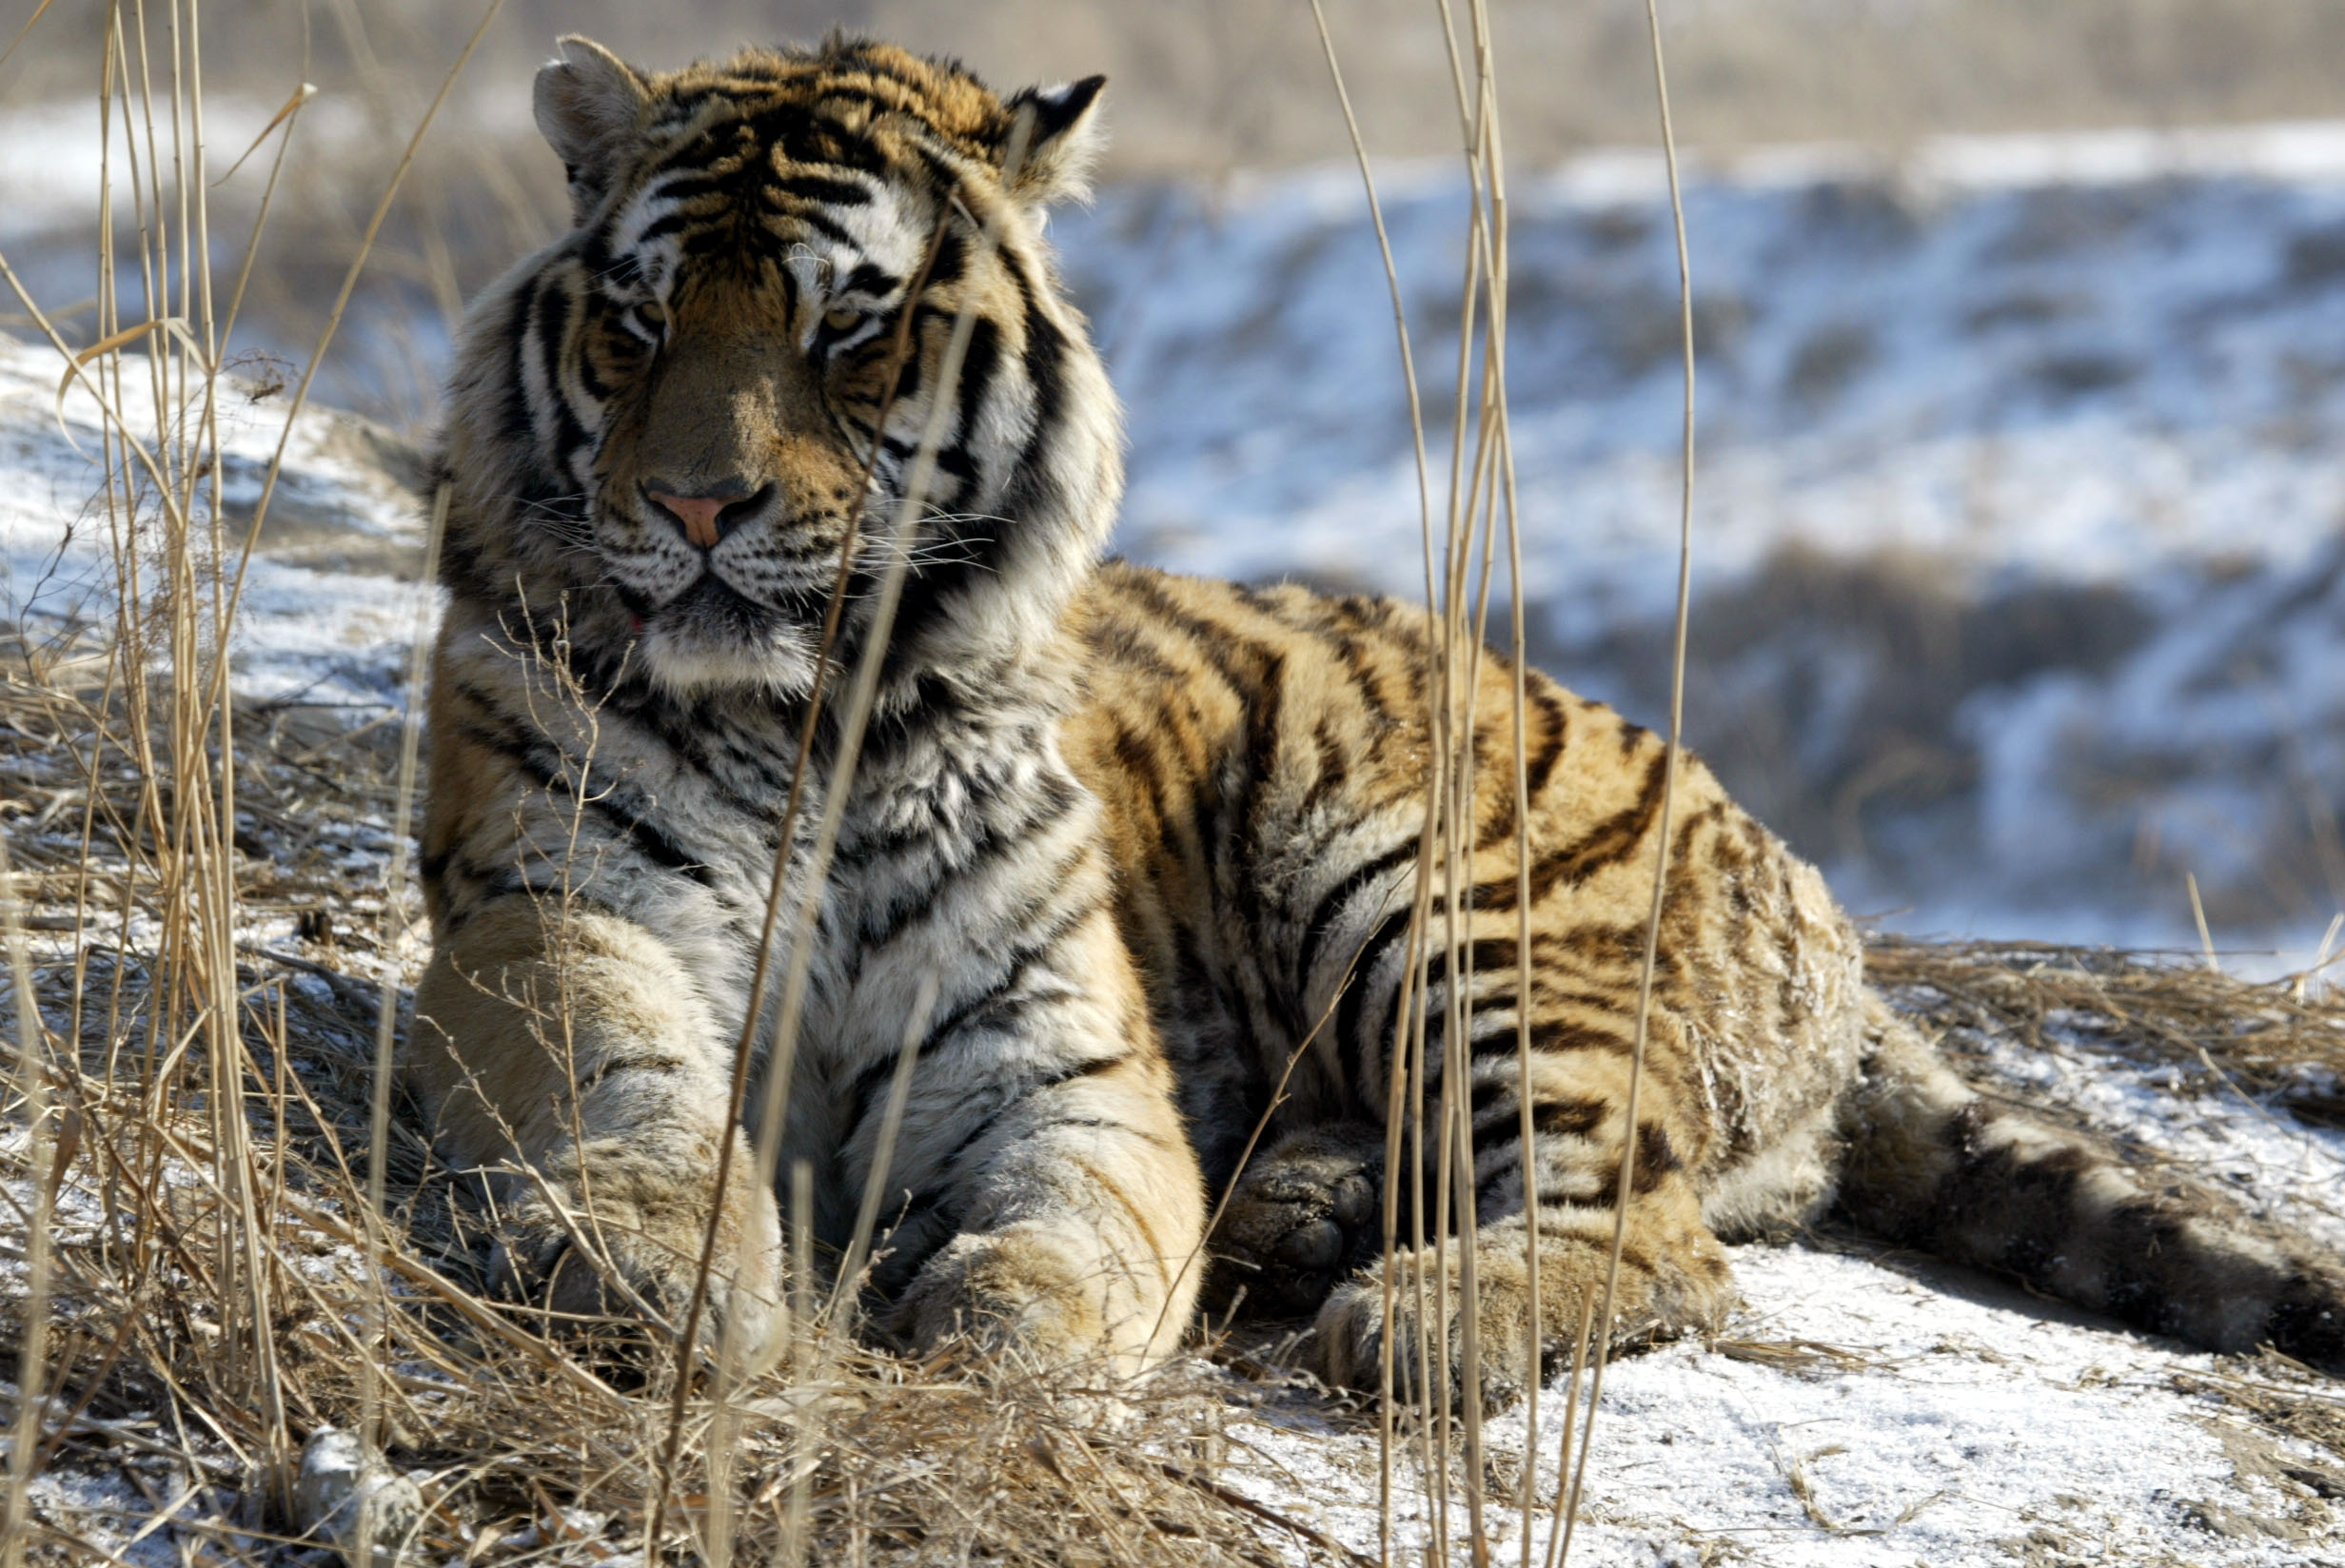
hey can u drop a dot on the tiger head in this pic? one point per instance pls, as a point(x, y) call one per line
point(672, 419)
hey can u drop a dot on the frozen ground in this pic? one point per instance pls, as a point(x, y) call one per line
point(2019, 552)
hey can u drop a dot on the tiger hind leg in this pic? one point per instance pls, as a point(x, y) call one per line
point(1302, 1234)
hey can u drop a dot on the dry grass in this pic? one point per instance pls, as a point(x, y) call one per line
point(543, 1450)
point(233, 1244)
point(2281, 1040)
point(1794, 1355)
point(234, 1239)
point(2284, 1396)
point(227, 1237)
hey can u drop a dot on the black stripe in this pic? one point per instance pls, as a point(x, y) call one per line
point(1355, 1045)
point(1244, 847)
point(819, 189)
point(1214, 643)
point(1541, 765)
point(1323, 917)
point(518, 424)
point(974, 1010)
point(648, 838)
point(1019, 1096)
point(974, 856)
point(552, 324)
point(1608, 843)
point(864, 1086)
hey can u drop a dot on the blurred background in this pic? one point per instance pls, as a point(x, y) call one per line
point(2021, 584)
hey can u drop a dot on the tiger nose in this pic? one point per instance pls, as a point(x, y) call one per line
point(712, 514)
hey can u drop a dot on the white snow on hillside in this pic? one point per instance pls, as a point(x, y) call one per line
point(2017, 518)
point(326, 616)
point(2019, 505)
point(53, 155)
point(1871, 337)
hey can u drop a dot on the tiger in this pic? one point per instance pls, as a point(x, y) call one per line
point(1114, 938)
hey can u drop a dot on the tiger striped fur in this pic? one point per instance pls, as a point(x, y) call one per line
point(1121, 846)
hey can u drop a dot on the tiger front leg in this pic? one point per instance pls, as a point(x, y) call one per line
point(1075, 1208)
point(563, 1055)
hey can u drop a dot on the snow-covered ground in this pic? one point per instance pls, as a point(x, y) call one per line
point(1861, 1410)
point(2019, 553)
point(2016, 525)
point(329, 604)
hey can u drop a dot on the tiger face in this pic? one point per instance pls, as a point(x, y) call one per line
point(739, 349)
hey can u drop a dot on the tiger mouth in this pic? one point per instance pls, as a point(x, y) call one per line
point(712, 611)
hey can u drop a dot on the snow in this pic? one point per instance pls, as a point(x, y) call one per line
point(53, 154)
point(1958, 1431)
point(106, 1511)
point(2291, 1172)
point(307, 628)
point(1929, 1415)
point(1932, 1416)
point(2073, 377)
point(2075, 397)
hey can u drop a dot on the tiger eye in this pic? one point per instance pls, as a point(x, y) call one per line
point(839, 318)
point(653, 315)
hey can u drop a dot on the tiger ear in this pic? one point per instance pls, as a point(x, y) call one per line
point(589, 105)
point(1063, 141)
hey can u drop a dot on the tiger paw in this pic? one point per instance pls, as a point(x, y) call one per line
point(1428, 1327)
point(1019, 1301)
point(1300, 1220)
point(1425, 1335)
point(623, 1240)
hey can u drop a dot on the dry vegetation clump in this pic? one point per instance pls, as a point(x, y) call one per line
point(226, 1236)
point(2284, 1396)
point(2280, 1040)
